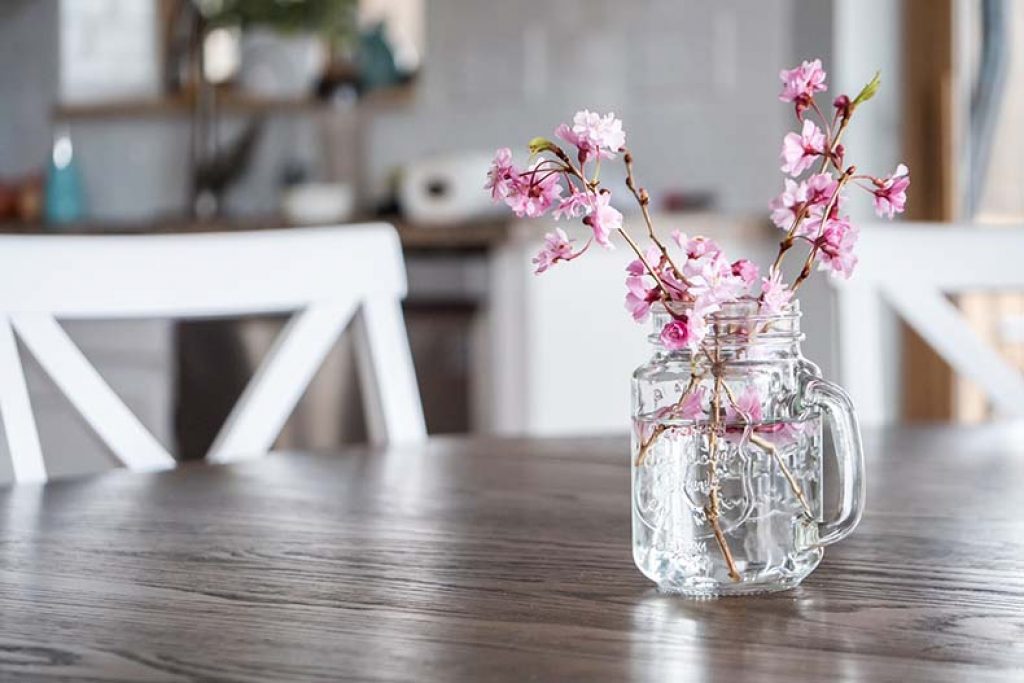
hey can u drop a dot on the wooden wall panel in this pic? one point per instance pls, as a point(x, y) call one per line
point(930, 150)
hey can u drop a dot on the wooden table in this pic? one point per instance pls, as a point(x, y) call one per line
point(497, 560)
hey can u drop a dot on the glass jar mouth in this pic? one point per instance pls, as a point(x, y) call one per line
point(736, 324)
point(744, 310)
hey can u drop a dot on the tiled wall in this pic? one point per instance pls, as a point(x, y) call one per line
point(695, 80)
point(28, 82)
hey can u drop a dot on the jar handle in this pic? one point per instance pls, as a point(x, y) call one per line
point(846, 437)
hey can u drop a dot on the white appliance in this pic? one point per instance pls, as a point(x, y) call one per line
point(447, 189)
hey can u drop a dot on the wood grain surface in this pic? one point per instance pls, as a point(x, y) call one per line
point(497, 560)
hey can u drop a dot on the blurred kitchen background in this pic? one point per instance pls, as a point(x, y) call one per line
point(142, 116)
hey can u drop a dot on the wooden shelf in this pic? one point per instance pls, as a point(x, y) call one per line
point(157, 107)
point(228, 103)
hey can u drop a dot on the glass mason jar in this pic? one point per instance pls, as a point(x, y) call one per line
point(732, 504)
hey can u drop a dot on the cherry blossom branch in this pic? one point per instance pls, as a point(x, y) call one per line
point(805, 272)
point(650, 269)
point(591, 186)
point(644, 200)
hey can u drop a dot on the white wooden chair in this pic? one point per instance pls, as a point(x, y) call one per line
point(325, 276)
point(911, 268)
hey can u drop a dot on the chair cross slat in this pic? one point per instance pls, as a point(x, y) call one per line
point(386, 373)
point(92, 397)
point(16, 411)
point(940, 324)
point(275, 389)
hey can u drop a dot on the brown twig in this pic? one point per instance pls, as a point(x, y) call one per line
point(713, 501)
point(835, 143)
point(659, 429)
point(694, 378)
point(644, 200)
point(646, 445)
point(789, 240)
point(769, 447)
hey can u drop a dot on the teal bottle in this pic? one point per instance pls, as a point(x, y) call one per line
point(65, 198)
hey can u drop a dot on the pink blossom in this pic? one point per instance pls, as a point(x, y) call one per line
point(642, 291)
point(692, 406)
point(698, 324)
point(835, 247)
point(813, 193)
point(709, 278)
point(697, 246)
point(676, 335)
point(593, 134)
point(747, 408)
point(557, 247)
point(800, 84)
point(603, 219)
point(800, 149)
point(584, 150)
point(639, 297)
point(786, 206)
point(533, 194)
point(502, 175)
point(891, 192)
point(745, 270)
point(709, 274)
point(652, 256)
point(575, 205)
point(713, 281)
point(775, 295)
point(676, 287)
point(819, 189)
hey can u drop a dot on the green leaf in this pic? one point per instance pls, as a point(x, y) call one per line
point(538, 145)
point(868, 91)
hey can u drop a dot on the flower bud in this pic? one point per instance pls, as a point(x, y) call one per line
point(842, 105)
point(838, 153)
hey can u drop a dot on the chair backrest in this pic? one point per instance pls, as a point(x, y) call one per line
point(324, 276)
point(911, 268)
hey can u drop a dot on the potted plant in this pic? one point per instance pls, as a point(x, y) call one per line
point(285, 45)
